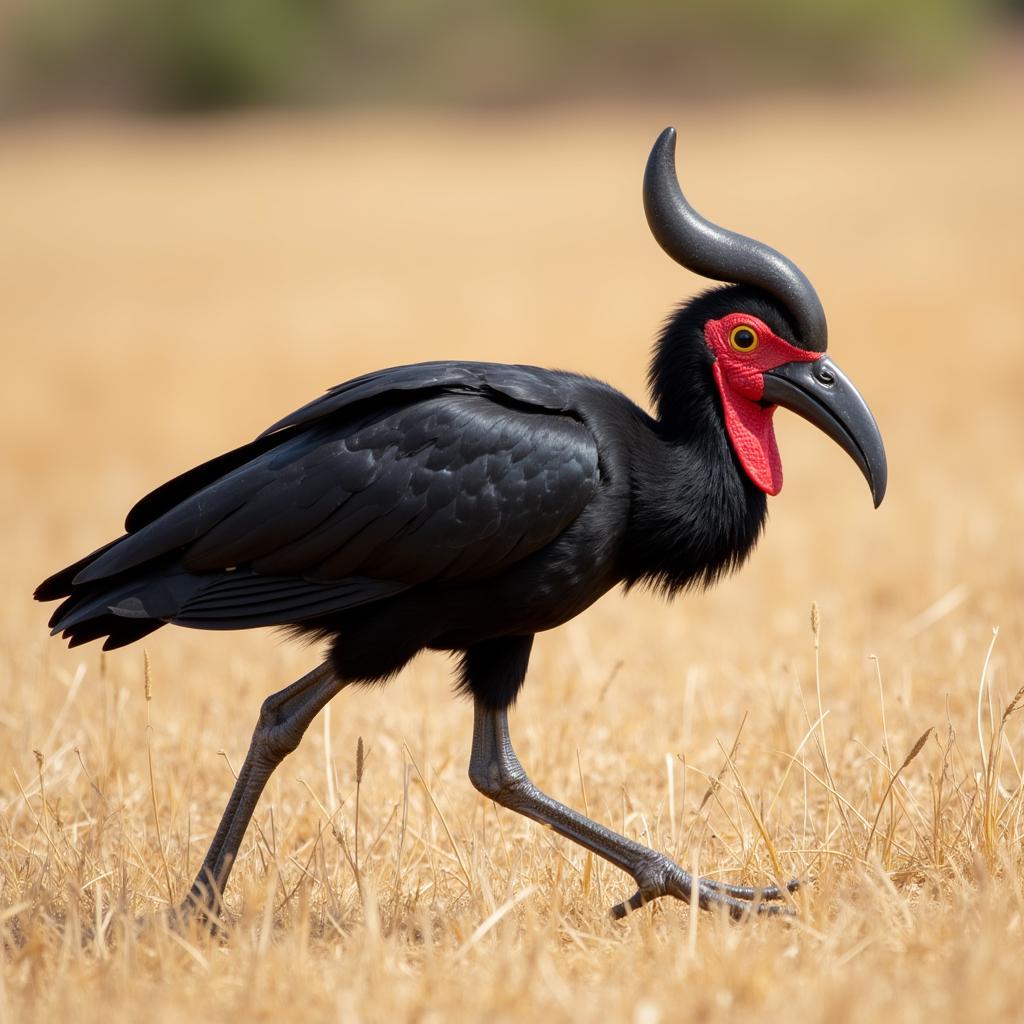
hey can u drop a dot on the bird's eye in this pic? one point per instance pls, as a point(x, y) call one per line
point(743, 338)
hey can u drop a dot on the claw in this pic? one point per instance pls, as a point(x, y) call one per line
point(741, 908)
point(621, 910)
point(750, 892)
point(740, 900)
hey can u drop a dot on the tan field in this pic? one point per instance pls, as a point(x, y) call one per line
point(169, 289)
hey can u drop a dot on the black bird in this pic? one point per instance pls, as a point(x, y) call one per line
point(464, 507)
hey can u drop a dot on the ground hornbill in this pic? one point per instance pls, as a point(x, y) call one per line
point(463, 507)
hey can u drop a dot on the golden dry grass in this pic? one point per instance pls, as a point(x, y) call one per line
point(168, 290)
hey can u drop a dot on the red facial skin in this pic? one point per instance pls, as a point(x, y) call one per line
point(740, 379)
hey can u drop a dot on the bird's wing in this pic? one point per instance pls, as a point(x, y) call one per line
point(531, 386)
point(384, 480)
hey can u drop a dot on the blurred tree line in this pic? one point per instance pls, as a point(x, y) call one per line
point(211, 54)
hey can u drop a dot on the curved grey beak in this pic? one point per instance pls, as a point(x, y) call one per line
point(823, 394)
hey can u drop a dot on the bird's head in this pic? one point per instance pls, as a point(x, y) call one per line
point(764, 337)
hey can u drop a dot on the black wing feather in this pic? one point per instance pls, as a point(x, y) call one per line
point(430, 472)
point(532, 386)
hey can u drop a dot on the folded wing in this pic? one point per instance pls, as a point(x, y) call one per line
point(382, 486)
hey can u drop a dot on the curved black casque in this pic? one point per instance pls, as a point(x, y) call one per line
point(723, 255)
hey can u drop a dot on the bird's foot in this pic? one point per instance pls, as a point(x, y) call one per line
point(177, 919)
point(663, 877)
point(198, 909)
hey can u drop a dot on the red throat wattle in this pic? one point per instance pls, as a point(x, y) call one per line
point(739, 375)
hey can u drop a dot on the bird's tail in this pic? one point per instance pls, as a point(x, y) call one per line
point(91, 611)
point(126, 607)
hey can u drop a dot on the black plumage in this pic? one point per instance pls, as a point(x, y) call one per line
point(449, 502)
point(465, 507)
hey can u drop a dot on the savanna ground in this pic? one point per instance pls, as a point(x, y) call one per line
point(167, 290)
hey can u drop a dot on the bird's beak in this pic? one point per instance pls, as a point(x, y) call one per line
point(821, 393)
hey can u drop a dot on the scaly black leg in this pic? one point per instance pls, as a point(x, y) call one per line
point(495, 770)
point(284, 717)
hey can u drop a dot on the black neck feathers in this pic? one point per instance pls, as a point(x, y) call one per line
point(695, 514)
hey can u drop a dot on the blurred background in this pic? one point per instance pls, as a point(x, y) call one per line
point(187, 55)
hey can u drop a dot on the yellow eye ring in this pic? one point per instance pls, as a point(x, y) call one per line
point(743, 338)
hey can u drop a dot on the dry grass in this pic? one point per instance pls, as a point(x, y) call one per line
point(168, 291)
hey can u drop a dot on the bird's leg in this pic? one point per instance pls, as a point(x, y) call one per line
point(495, 770)
point(284, 717)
